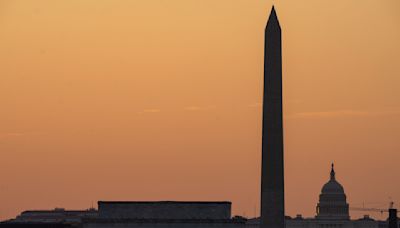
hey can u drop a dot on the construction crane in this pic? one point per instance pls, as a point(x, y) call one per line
point(391, 204)
point(392, 213)
point(369, 209)
point(381, 211)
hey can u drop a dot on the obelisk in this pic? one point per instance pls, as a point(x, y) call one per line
point(272, 178)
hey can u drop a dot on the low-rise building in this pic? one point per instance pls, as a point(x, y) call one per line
point(164, 214)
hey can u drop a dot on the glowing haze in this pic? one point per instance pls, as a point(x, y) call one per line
point(160, 100)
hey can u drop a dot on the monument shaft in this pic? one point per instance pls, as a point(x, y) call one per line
point(272, 176)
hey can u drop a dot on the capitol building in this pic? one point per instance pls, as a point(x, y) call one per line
point(332, 211)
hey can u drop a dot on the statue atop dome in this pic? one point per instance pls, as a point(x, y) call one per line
point(332, 172)
point(332, 200)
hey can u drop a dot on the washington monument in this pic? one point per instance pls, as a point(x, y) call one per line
point(272, 178)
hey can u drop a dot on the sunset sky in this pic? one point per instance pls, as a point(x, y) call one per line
point(161, 100)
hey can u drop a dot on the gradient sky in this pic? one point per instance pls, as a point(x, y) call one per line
point(161, 100)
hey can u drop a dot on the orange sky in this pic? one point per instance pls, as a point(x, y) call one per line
point(160, 100)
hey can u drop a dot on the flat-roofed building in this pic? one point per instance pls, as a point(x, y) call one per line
point(197, 214)
point(164, 210)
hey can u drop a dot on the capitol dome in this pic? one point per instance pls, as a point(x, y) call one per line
point(332, 200)
point(332, 187)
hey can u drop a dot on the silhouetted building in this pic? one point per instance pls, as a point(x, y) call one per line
point(163, 214)
point(58, 215)
point(138, 214)
point(332, 201)
point(164, 210)
point(393, 223)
